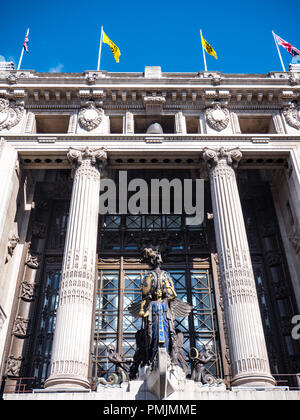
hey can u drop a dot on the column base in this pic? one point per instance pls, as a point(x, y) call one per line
point(253, 380)
point(67, 382)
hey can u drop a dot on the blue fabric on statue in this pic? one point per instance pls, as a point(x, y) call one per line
point(160, 325)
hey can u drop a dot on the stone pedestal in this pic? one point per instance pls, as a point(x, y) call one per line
point(249, 359)
point(71, 346)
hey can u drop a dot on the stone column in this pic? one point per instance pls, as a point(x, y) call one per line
point(248, 353)
point(71, 346)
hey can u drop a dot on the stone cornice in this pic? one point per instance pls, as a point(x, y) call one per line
point(123, 89)
point(185, 96)
point(137, 138)
point(93, 76)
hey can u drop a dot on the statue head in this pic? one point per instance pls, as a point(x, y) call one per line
point(153, 255)
point(158, 294)
point(207, 348)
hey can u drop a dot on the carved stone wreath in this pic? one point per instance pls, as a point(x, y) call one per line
point(90, 117)
point(217, 117)
point(10, 114)
point(291, 116)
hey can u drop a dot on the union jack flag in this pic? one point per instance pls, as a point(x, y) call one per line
point(292, 50)
point(25, 43)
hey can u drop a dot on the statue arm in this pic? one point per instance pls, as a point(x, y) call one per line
point(143, 313)
point(170, 288)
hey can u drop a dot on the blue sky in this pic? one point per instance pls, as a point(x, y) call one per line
point(64, 35)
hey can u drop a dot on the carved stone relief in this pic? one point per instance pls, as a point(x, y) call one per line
point(217, 117)
point(13, 366)
point(294, 80)
point(10, 114)
point(90, 117)
point(32, 261)
point(27, 291)
point(12, 243)
point(291, 114)
point(20, 328)
point(12, 78)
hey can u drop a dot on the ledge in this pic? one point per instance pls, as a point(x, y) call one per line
point(136, 392)
point(36, 138)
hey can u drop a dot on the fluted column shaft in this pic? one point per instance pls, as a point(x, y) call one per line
point(249, 359)
point(71, 345)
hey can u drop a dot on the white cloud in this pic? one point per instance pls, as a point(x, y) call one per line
point(56, 69)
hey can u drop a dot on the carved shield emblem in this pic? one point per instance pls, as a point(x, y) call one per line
point(90, 117)
point(10, 114)
point(292, 116)
point(217, 117)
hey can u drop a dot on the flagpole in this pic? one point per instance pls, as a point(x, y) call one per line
point(100, 48)
point(22, 52)
point(204, 59)
point(278, 50)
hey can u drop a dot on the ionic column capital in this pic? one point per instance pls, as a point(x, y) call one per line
point(94, 156)
point(214, 156)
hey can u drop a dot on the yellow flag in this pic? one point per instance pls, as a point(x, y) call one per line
point(208, 48)
point(114, 49)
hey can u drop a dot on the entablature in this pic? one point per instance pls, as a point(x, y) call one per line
point(50, 152)
point(127, 89)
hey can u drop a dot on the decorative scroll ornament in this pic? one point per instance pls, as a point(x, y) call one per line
point(90, 117)
point(291, 114)
point(10, 114)
point(212, 157)
point(217, 117)
point(76, 156)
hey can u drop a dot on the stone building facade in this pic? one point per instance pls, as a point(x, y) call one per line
point(68, 273)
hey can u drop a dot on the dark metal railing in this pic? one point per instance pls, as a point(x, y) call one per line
point(19, 386)
point(291, 380)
